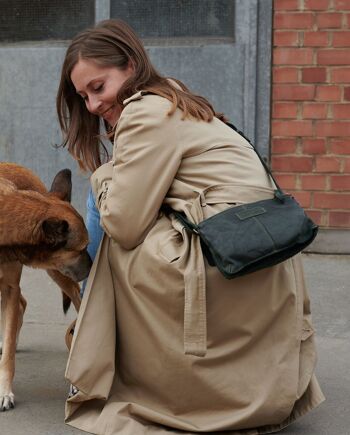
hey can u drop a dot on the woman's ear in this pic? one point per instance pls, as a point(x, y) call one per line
point(131, 66)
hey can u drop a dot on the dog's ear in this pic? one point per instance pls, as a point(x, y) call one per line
point(55, 230)
point(62, 185)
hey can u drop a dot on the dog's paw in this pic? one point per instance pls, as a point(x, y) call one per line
point(7, 402)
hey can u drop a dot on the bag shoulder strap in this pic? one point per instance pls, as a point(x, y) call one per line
point(267, 169)
point(279, 194)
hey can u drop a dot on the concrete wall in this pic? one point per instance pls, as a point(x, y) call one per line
point(235, 77)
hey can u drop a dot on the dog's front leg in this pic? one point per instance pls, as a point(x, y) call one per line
point(22, 309)
point(2, 317)
point(67, 285)
point(10, 297)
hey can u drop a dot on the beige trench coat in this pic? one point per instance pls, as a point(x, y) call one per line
point(163, 342)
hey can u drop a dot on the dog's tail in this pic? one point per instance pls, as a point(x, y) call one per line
point(66, 301)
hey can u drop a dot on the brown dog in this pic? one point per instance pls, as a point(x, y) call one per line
point(42, 230)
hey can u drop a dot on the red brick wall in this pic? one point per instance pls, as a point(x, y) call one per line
point(311, 106)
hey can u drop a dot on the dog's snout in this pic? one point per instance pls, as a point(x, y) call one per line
point(80, 269)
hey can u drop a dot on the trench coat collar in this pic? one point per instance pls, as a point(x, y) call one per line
point(138, 96)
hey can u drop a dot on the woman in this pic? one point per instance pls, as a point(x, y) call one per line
point(163, 342)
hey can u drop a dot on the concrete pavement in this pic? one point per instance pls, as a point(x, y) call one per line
point(40, 387)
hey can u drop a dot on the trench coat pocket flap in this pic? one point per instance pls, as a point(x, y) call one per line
point(307, 330)
point(172, 246)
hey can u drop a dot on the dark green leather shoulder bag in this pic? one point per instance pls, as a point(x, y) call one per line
point(256, 235)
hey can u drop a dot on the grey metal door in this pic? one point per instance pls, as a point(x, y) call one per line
point(219, 49)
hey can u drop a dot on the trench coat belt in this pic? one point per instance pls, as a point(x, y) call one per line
point(195, 309)
point(195, 312)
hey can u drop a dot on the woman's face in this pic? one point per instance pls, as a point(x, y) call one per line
point(98, 86)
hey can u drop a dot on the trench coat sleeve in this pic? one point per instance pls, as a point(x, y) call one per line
point(145, 162)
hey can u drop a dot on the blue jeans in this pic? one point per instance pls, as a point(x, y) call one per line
point(94, 230)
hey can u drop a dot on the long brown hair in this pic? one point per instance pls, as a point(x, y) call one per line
point(114, 43)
